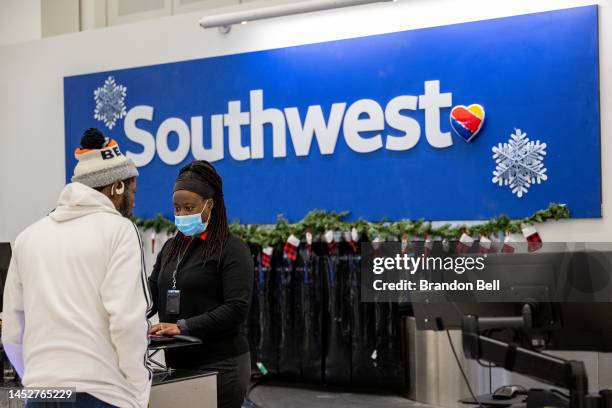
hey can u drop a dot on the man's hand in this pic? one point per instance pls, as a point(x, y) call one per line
point(167, 329)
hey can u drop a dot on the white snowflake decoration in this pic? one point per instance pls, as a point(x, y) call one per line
point(519, 163)
point(110, 102)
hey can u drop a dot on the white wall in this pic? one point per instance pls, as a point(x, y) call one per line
point(31, 97)
point(60, 17)
point(19, 21)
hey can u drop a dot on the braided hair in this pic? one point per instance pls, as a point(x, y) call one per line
point(217, 230)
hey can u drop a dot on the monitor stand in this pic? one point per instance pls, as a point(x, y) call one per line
point(556, 371)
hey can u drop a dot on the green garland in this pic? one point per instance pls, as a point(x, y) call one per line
point(319, 221)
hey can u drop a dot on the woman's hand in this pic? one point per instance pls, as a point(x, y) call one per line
point(167, 329)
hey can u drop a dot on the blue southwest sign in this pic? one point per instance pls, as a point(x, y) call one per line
point(365, 124)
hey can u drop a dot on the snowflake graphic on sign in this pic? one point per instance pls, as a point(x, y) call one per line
point(110, 102)
point(519, 163)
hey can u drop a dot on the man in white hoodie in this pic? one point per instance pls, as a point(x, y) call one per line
point(76, 295)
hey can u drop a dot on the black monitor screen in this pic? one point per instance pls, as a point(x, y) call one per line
point(5, 260)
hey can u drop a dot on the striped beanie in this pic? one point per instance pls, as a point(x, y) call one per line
point(100, 162)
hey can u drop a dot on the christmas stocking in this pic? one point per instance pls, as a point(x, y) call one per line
point(266, 256)
point(349, 237)
point(291, 247)
point(534, 242)
point(428, 246)
point(445, 245)
point(329, 238)
point(404, 245)
point(508, 247)
point(465, 244)
point(484, 245)
point(309, 242)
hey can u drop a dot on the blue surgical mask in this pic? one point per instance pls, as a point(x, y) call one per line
point(192, 224)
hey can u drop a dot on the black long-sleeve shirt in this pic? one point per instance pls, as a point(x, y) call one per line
point(215, 295)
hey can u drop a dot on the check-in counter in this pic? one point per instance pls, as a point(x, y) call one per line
point(180, 387)
point(184, 388)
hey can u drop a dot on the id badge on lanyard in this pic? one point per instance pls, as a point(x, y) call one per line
point(173, 296)
point(173, 301)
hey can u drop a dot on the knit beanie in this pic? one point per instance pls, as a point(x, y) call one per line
point(100, 162)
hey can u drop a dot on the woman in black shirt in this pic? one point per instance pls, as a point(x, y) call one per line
point(202, 282)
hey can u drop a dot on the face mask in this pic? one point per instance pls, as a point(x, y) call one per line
point(192, 224)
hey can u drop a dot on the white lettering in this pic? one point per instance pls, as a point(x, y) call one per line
point(179, 127)
point(408, 125)
point(198, 150)
point(314, 125)
point(260, 117)
point(234, 119)
point(365, 115)
point(140, 136)
point(431, 102)
point(363, 124)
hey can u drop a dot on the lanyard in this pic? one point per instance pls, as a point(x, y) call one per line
point(178, 262)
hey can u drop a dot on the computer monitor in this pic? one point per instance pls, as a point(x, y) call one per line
point(5, 260)
point(523, 277)
point(573, 317)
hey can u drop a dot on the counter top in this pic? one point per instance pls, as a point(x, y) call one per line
point(179, 375)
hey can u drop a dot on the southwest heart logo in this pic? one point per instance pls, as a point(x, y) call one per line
point(466, 121)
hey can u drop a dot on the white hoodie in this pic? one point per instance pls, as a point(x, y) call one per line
point(76, 299)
